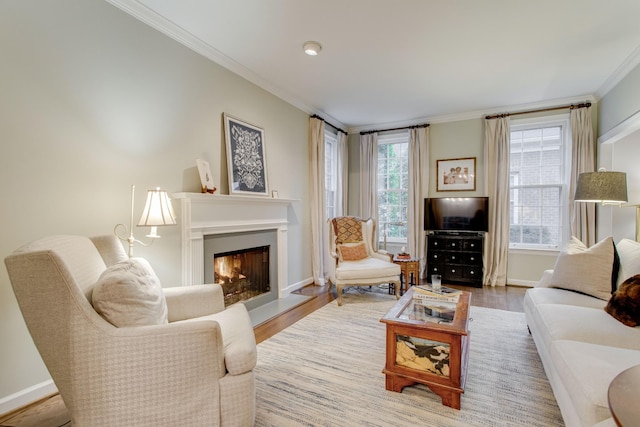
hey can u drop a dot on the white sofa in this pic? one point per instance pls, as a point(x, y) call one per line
point(581, 346)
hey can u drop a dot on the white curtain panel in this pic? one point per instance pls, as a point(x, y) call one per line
point(342, 175)
point(317, 202)
point(418, 189)
point(369, 176)
point(496, 154)
point(583, 159)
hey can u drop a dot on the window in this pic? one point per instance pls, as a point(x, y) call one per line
point(538, 183)
point(330, 171)
point(393, 181)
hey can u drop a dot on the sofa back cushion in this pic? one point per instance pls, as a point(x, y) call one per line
point(592, 271)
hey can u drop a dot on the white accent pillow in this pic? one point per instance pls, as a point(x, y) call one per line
point(130, 294)
point(585, 270)
point(629, 253)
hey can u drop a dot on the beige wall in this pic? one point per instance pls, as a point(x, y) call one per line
point(92, 101)
point(464, 138)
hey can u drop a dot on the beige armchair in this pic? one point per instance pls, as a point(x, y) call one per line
point(196, 369)
point(355, 261)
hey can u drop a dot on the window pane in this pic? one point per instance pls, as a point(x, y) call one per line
point(392, 185)
point(537, 171)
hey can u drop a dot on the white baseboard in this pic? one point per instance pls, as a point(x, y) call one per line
point(526, 283)
point(295, 286)
point(25, 397)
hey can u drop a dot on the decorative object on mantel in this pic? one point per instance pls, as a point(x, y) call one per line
point(274, 194)
point(456, 174)
point(246, 161)
point(206, 180)
point(157, 212)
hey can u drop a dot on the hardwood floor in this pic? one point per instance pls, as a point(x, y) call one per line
point(50, 412)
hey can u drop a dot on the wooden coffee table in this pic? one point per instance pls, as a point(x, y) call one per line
point(427, 350)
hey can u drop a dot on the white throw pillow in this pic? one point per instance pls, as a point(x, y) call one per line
point(586, 270)
point(130, 294)
point(629, 253)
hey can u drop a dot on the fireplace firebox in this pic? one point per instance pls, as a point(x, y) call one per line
point(243, 274)
point(244, 264)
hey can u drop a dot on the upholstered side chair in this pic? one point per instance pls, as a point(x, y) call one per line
point(355, 260)
point(193, 368)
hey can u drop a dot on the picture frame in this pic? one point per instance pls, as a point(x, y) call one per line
point(456, 174)
point(246, 161)
point(206, 180)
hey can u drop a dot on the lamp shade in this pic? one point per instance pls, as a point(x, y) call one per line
point(602, 187)
point(158, 210)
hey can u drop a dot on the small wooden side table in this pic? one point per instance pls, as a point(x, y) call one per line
point(409, 272)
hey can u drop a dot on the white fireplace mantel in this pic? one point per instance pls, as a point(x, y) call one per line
point(206, 214)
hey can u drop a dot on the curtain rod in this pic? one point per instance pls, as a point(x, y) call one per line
point(315, 116)
point(571, 107)
point(424, 125)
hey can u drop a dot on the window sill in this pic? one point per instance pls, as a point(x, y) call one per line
point(531, 251)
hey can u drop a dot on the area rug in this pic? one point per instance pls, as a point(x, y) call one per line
point(326, 370)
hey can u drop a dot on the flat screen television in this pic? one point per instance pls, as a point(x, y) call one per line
point(456, 214)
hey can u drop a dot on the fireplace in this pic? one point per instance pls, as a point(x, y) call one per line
point(244, 264)
point(237, 221)
point(242, 274)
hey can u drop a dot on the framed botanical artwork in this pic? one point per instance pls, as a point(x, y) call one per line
point(246, 162)
point(456, 174)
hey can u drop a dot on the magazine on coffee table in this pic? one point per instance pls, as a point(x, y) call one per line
point(439, 312)
point(429, 293)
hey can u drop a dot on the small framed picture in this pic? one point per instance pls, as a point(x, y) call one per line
point(206, 180)
point(246, 161)
point(456, 174)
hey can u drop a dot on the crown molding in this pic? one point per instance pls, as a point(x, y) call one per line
point(620, 73)
point(472, 115)
point(182, 36)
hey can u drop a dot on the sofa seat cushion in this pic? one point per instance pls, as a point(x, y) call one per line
point(586, 370)
point(240, 354)
point(366, 269)
point(129, 293)
point(589, 325)
point(563, 296)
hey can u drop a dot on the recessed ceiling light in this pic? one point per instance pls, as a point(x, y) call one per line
point(312, 48)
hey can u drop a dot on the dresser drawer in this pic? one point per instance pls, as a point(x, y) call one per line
point(472, 273)
point(434, 269)
point(454, 258)
point(472, 245)
point(472, 258)
point(453, 244)
point(436, 243)
point(453, 272)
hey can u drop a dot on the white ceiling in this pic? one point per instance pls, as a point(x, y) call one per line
point(398, 62)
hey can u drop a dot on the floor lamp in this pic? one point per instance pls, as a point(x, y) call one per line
point(607, 188)
point(158, 211)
